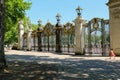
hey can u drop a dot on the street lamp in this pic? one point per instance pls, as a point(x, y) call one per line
point(58, 17)
point(58, 33)
point(78, 10)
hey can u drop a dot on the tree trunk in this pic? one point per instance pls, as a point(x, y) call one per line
point(3, 64)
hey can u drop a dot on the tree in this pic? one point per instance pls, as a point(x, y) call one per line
point(2, 55)
point(14, 10)
point(8, 23)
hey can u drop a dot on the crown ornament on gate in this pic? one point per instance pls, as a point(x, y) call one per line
point(95, 24)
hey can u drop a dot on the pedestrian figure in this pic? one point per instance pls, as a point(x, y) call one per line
point(112, 54)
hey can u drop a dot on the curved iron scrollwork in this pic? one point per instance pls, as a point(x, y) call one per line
point(68, 37)
point(97, 36)
point(48, 37)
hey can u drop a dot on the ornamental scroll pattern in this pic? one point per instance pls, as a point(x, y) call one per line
point(116, 13)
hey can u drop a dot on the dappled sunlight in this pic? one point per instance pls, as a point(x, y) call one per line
point(96, 69)
point(46, 67)
point(29, 70)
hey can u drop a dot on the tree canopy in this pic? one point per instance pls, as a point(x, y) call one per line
point(14, 10)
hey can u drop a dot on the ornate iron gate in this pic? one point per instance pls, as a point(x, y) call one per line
point(68, 34)
point(97, 37)
point(48, 38)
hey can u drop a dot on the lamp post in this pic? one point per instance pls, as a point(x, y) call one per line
point(39, 34)
point(58, 33)
point(58, 16)
point(3, 64)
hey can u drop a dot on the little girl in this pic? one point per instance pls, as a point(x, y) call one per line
point(112, 54)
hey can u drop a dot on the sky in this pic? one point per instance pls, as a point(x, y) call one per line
point(46, 10)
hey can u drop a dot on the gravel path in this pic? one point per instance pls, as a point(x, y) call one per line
point(25, 65)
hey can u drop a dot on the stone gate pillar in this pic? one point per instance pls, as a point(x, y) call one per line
point(79, 33)
point(79, 36)
point(114, 15)
point(20, 34)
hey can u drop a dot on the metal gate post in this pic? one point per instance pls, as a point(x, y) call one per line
point(103, 36)
point(39, 35)
point(58, 34)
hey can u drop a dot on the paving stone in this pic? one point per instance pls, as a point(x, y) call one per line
point(51, 66)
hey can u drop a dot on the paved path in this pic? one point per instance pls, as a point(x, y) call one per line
point(51, 66)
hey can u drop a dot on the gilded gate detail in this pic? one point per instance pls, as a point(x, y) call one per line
point(97, 40)
point(96, 37)
point(44, 39)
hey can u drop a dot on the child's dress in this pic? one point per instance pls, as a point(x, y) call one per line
point(112, 54)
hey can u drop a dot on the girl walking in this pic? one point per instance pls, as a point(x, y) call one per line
point(112, 54)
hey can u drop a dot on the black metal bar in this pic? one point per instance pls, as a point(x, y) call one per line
point(58, 38)
point(68, 43)
point(103, 36)
point(48, 42)
point(34, 42)
point(39, 34)
point(89, 38)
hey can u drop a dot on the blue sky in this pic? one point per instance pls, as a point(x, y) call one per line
point(47, 9)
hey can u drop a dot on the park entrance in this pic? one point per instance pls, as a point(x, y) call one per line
point(58, 38)
point(97, 37)
point(81, 38)
point(53, 38)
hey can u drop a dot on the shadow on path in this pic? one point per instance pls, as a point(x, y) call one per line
point(25, 67)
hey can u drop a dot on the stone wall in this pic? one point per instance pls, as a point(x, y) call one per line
point(114, 14)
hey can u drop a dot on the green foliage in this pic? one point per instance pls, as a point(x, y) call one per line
point(108, 38)
point(98, 38)
point(94, 38)
point(34, 26)
point(14, 10)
